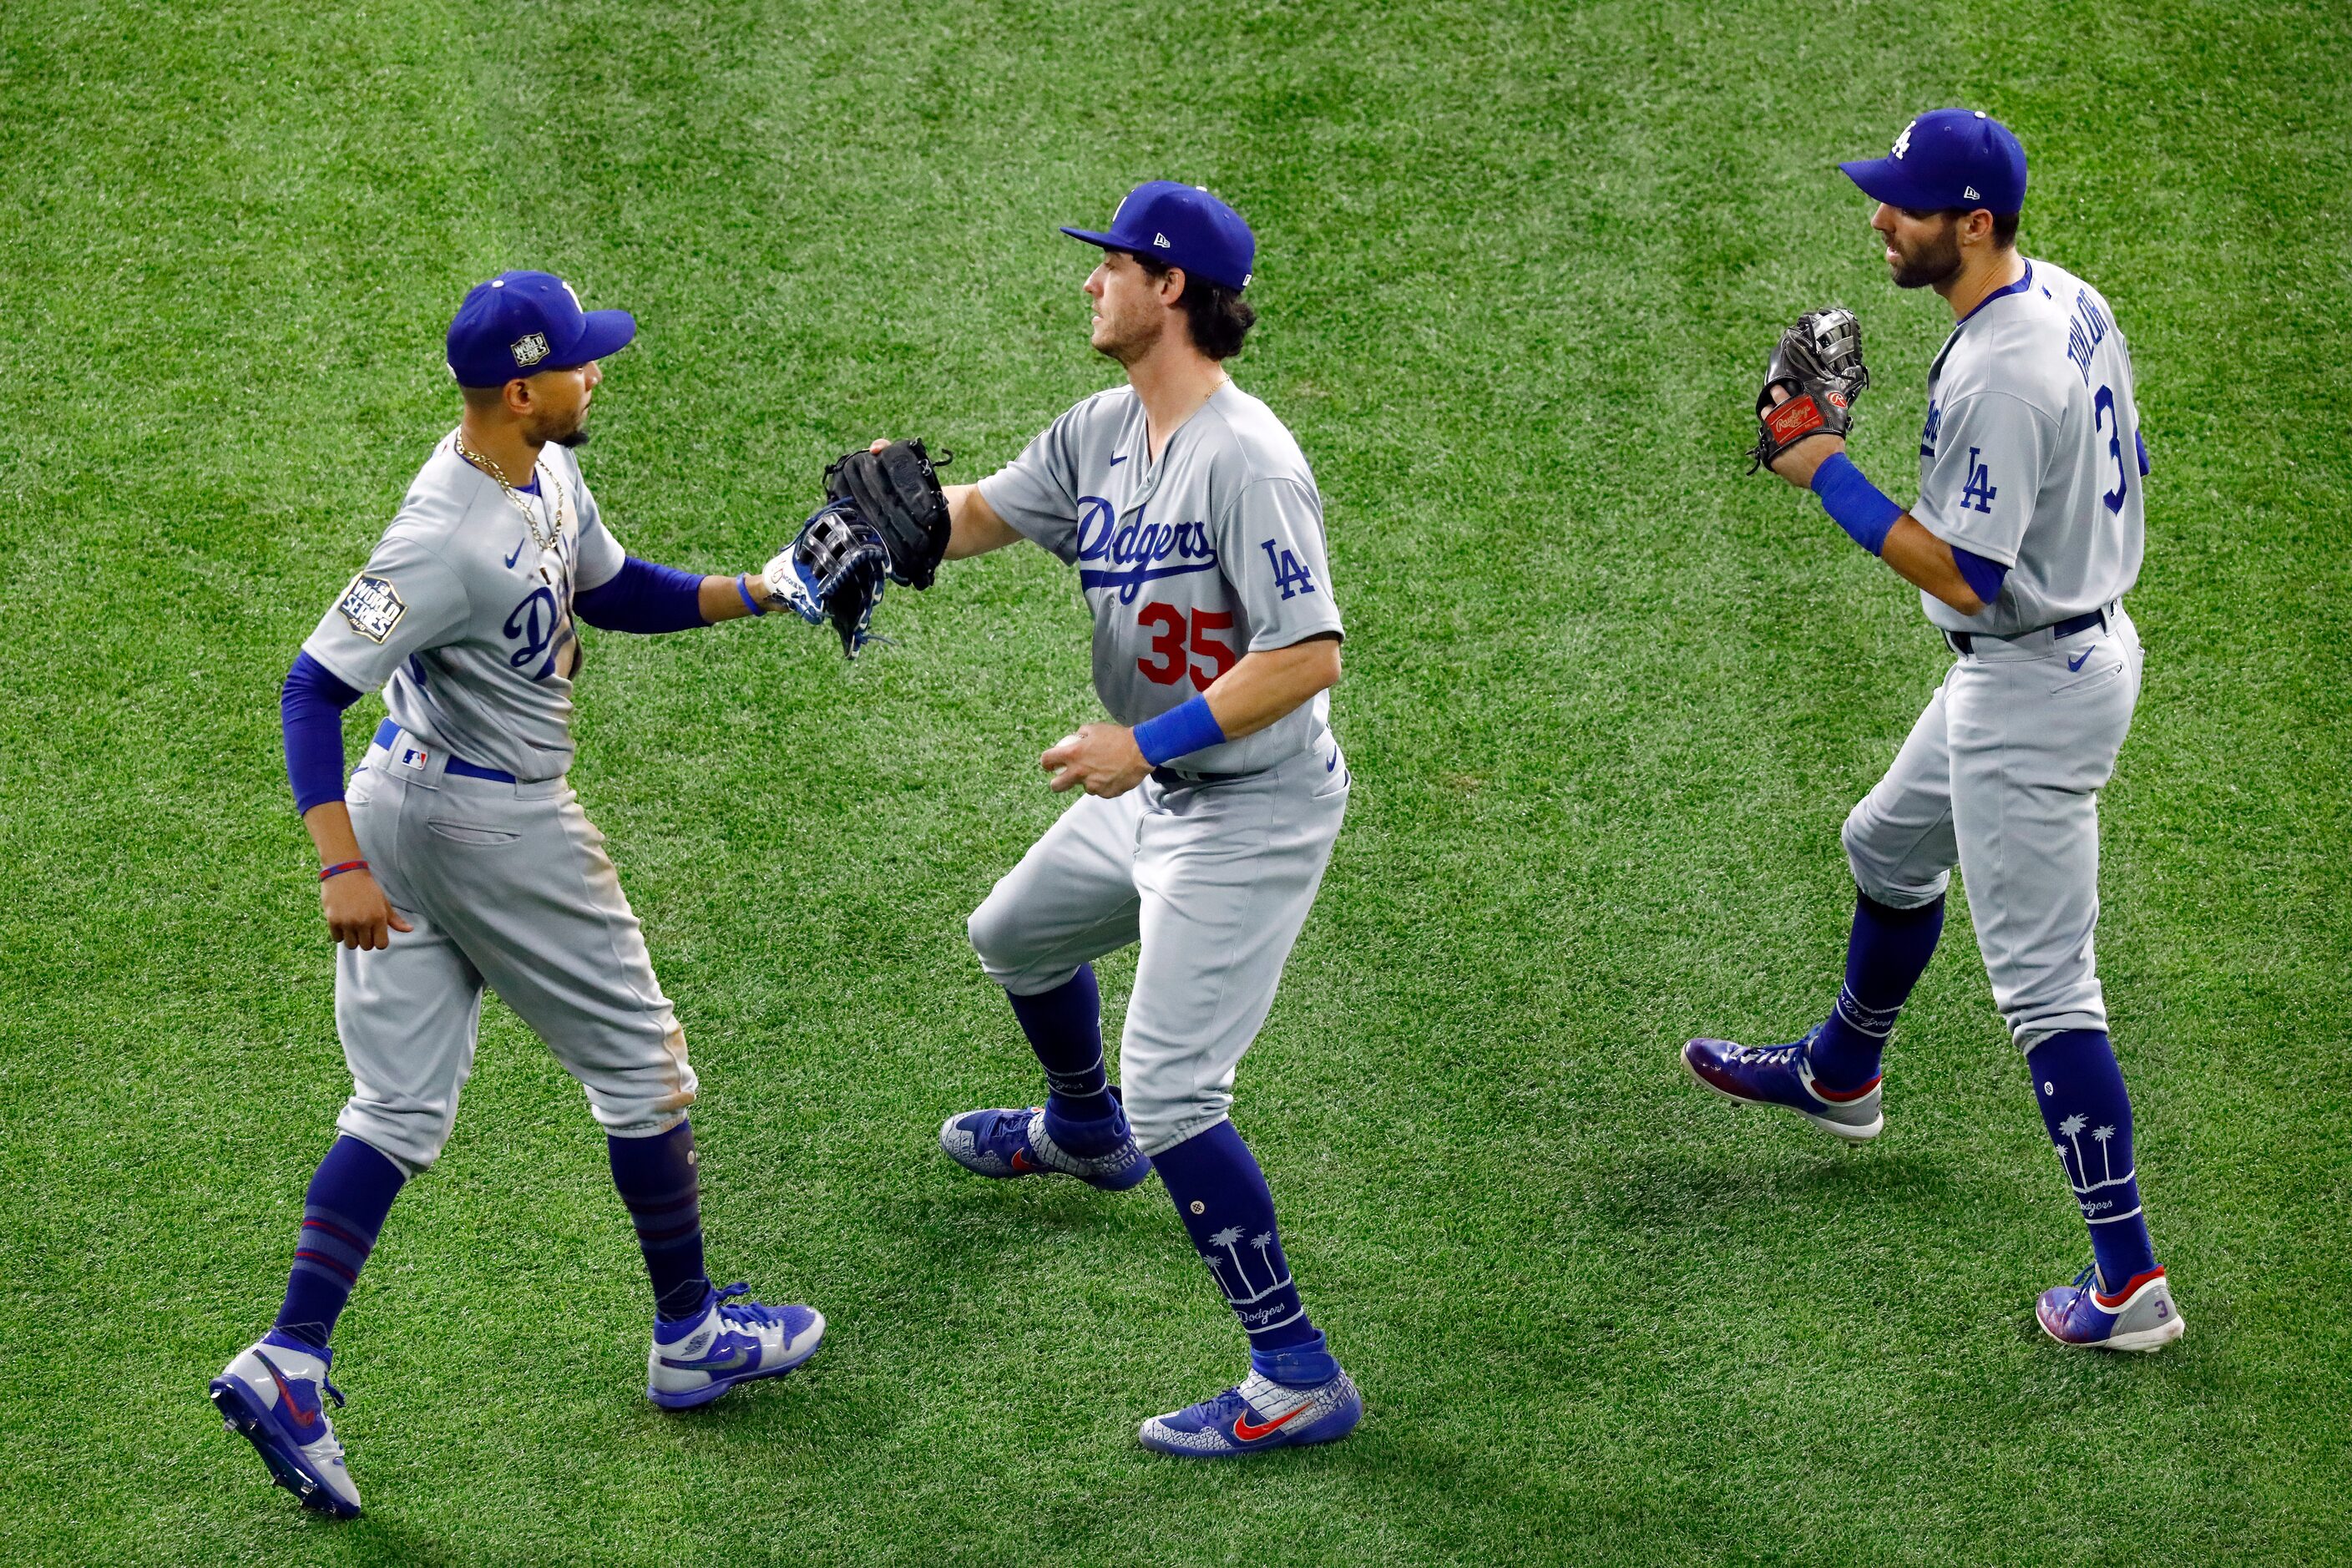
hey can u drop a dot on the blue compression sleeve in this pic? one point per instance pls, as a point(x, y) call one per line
point(312, 709)
point(1184, 729)
point(1853, 503)
point(1983, 577)
point(644, 598)
point(2139, 440)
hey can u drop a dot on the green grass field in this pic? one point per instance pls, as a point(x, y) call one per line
point(1606, 703)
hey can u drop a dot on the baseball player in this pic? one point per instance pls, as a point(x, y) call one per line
point(1211, 800)
point(2026, 535)
point(458, 857)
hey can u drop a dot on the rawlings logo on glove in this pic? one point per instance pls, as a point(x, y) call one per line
point(1818, 363)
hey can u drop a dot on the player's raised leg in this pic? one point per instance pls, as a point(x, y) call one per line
point(1900, 848)
point(1071, 899)
point(1228, 875)
point(2026, 789)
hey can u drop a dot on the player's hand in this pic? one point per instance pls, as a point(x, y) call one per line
point(358, 915)
point(1798, 463)
point(1103, 758)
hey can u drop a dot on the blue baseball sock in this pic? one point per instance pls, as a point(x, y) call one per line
point(1065, 1028)
point(1221, 1197)
point(657, 1180)
point(2081, 1092)
point(1885, 954)
point(350, 1195)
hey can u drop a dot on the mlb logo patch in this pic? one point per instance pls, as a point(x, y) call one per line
point(372, 606)
point(529, 349)
point(414, 757)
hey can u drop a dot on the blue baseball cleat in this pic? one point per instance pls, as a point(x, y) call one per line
point(269, 1395)
point(1779, 1074)
point(1258, 1416)
point(2139, 1316)
point(694, 1361)
point(1022, 1142)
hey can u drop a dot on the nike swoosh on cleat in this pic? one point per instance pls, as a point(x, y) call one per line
point(1244, 1431)
point(518, 553)
point(2076, 662)
point(742, 1355)
point(1020, 1161)
point(306, 1424)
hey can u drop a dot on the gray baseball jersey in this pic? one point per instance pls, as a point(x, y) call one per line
point(2030, 455)
point(1214, 551)
point(464, 619)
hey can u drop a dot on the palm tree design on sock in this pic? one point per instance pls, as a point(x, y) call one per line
point(1263, 1240)
point(1226, 1238)
point(2071, 1129)
point(2100, 1135)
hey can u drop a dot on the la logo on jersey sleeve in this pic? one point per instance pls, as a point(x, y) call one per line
point(372, 606)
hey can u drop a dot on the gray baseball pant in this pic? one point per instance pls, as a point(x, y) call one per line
point(2002, 776)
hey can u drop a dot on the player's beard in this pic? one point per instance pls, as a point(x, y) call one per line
point(575, 434)
point(1932, 265)
point(1125, 340)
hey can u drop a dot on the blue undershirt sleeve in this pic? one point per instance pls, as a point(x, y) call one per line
point(644, 598)
point(312, 709)
point(1983, 577)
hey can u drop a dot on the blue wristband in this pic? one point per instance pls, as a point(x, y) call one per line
point(1184, 729)
point(743, 586)
point(1853, 503)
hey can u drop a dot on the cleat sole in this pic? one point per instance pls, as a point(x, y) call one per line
point(241, 1419)
point(2143, 1341)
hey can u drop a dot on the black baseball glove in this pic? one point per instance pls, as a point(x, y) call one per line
point(834, 571)
point(1819, 362)
point(897, 490)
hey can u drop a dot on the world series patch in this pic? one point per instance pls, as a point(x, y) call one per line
point(372, 606)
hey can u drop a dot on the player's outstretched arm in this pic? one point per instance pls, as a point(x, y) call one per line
point(976, 528)
point(1111, 759)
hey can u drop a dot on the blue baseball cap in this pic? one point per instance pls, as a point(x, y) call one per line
point(519, 323)
point(1184, 226)
point(1947, 158)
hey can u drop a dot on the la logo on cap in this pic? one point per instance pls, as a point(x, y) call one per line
point(1903, 142)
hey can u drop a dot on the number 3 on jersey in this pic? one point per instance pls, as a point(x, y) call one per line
point(1171, 658)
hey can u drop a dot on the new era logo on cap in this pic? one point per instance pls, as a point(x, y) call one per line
point(1160, 240)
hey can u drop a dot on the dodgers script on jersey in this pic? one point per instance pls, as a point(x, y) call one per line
point(1188, 563)
point(464, 618)
point(2031, 455)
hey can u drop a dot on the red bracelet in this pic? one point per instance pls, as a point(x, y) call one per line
point(339, 870)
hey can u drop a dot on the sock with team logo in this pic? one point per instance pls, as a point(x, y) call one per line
point(657, 1182)
point(350, 1195)
point(1221, 1197)
point(1065, 1028)
point(1885, 954)
point(2081, 1092)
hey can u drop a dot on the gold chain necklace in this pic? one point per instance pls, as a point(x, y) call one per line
point(530, 517)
